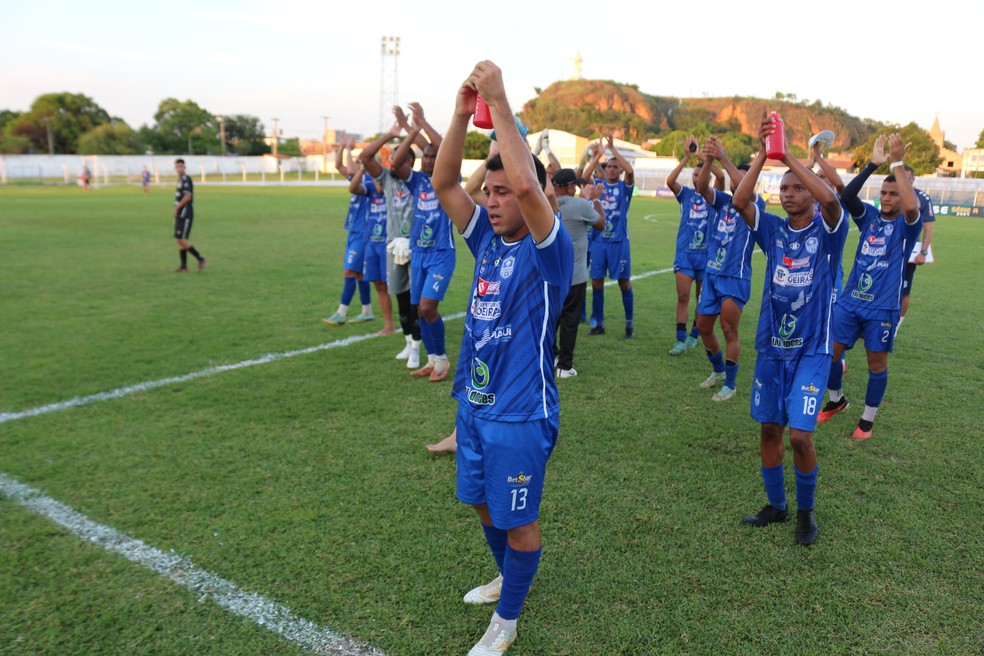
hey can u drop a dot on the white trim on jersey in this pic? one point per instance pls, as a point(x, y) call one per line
point(543, 337)
point(839, 221)
point(472, 222)
point(757, 217)
point(549, 239)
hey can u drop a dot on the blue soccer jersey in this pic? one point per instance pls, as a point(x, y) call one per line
point(431, 229)
point(879, 265)
point(506, 367)
point(615, 201)
point(925, 207)
point(355, 220)
point(730, 242)
point(375, 212)
point(801, 267)
point(696, 216)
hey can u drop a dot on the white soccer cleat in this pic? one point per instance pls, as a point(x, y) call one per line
point(712, 380)
point(496, 640)
point(485, 594)
point(405, 353)
point(413, 358)
point(566, 373)
point(723, 394)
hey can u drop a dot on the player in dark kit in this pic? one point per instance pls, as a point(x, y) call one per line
point(184, 214)
point(508, 406)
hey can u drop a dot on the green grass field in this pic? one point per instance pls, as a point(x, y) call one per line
point(305, 480)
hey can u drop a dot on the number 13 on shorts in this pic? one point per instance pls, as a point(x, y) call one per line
point(518, 498)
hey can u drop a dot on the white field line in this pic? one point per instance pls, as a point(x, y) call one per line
point(254, 607)
point(263, 359)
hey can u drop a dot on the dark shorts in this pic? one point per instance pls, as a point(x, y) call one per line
point(910, 271)
point(182, 227)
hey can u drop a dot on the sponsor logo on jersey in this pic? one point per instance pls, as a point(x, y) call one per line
point(873, 251)
point(786, 329)
point(874, 241)
point(785, 278)
point(426, 238)
point(811, 388)
point(519, 479)
point(794, 246)
point(698, 239)
point(507, 266)
point(490, 287)
point(480, 378)
point(427, 201)
point(758, 384)
point(486, 310)
point(864, 284)
point(798, 263)
point(498, 334)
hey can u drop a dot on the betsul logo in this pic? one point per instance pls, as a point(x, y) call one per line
point(480, 374)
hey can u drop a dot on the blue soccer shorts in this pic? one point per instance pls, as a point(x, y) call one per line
point(430, 274)
point(375, 261)
point(789, 392)
point(502, 464)
point(877, 327)
point(355, 252)
point(613, 258)
point(717, 288)
point(693, 265)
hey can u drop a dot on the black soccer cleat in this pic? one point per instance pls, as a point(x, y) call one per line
point(768, 515)
point(832, 408)
point(597, 330)
point(629, 333)
point(806, 527)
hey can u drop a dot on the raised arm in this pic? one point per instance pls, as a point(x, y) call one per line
point(457, 202)
point(339, 164)
point(828, 171)
point(850, 194)
point(368, 155)
point(703, 182)
point(599, 152)
point(355, 184)
point(404, 122)
point(671, 179)
point(517, 160)
point(897, 149)
point(592, 193)
point(400, 161)
point(719, 152)
point(349, 159)
point(744, 198)
point(624, 163)
point(419, 120)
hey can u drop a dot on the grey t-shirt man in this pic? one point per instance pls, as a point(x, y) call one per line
point(577, 215)
point(399, 220)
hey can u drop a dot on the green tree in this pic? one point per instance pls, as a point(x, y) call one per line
point(290, 147)
point(923, 156)
point(115, 138)
point(245, 134)
point(55, 122)
point(980, 140)
point(185, 127)
point(476, 145)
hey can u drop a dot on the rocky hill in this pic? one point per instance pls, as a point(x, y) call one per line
point(588, 107)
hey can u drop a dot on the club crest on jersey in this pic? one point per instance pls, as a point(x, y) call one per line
point(812, 245)
point(889, 229)
point(507, 266)
point(519, 479)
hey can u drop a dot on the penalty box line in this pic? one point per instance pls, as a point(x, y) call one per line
point(205, 585)
point(263, 359)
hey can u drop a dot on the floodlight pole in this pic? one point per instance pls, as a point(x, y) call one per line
point(222, 138)
point(276, 134)
point(324, 146)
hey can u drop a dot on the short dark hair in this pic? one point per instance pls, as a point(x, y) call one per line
point(743, 167)
point(494, 163)
point(909, 169)
point(890, 178)
point(698, 165)
point(179, 161)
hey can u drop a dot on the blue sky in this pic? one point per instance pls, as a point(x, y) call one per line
point(299, 60)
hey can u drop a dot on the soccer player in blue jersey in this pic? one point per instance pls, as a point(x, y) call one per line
point(432, 248)
point(374, 269)
point(609, 248)
point(355, 248)
point(929, 219)
point(508, 407)
point(728, 283)
point(794, 345)
point(690, 262)
point(870, 304)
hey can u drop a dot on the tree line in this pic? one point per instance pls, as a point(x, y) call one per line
point(73, 123)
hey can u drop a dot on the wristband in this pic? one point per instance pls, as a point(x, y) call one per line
point(895, 165)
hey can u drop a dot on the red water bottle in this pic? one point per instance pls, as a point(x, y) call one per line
point(775, 143)
point(483, 117)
